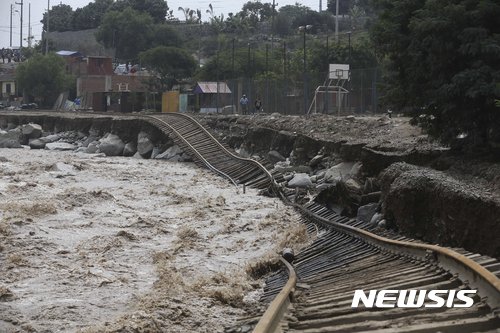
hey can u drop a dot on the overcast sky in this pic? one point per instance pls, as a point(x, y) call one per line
point(38, 7)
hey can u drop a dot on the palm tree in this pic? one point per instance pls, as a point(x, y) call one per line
point(188, 14)
point(217, 21)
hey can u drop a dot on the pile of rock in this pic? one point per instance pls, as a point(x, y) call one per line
point(110, 144)
point(332, 181)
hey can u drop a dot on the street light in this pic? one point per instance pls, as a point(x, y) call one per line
point(303, 29)
point(21, 36)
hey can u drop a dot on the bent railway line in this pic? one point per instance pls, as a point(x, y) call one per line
point(193, 138)
point(345, 258)
point(315, 293)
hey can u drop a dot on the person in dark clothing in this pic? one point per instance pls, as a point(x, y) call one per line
point(258, 105)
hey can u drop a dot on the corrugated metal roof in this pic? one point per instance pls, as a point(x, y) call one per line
point(211, 88)
point(69, 53)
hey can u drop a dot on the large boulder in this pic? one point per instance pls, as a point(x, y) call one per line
point(273, 156)
point(112, 145)
point(37, 144)
point(92, 147)
point(155, 152)
point(11, 138)
point(50, 138)
point(316, 160)
point(93, 136)
point(337, 172)
point(366, 212)
point(130, 149)
point(353, 186)
point(32, 131)
point(300, 180)
point(172, 154)
point(144, 145)
point(60, 146)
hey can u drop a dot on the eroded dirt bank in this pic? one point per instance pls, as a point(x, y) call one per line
point(422, 189)
point(438, 208)
point(115, 244)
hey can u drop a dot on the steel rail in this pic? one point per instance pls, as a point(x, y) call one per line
point(470, 272)
point(195, 151)
point(243, 159)
point(270, 320)
point(475, 275)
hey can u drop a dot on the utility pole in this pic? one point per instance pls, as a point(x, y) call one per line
point(337, 21)
point(47, 32)
point(272, 24)
point(21, 36)
point(11, 25)
point(234, 79)
point(29, 24)
point(303, 29)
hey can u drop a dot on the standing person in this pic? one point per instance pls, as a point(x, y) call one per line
point(244, 104)
point(258, 105)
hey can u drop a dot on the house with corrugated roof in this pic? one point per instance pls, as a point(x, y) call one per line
point(212, 97)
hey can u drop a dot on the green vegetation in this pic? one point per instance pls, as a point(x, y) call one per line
point(43, 77)
point(170, 63)
point(442, 60)
point(128, 31)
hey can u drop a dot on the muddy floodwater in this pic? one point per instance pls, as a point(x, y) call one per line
point(101, 244)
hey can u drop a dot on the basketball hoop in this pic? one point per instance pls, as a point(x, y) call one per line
point(123, 87)
point(338, 75)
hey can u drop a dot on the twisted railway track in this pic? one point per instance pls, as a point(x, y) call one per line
point(315, 293)
point(192, 137)
point(346, 257)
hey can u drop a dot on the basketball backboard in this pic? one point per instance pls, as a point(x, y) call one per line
point(338, 72)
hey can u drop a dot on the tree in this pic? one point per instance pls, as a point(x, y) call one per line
point(360, 55)
point(255, 12)
point(217, 21)
point(236, 24)
point(191, 15)
point(442, 58)
point(170, 63)
point(129, 32)
point(157, 9)
point(61, 18)
point(344, 6)
point(164, 35)
point(43, 77)
point(90, 16)
point(297, 15)
point(246, 63)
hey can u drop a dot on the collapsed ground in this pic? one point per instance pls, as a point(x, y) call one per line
point(391, 172)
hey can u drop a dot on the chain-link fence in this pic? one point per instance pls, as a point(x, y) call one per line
point(305, 95)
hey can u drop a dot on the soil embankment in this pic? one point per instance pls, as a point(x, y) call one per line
point(456, 206)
